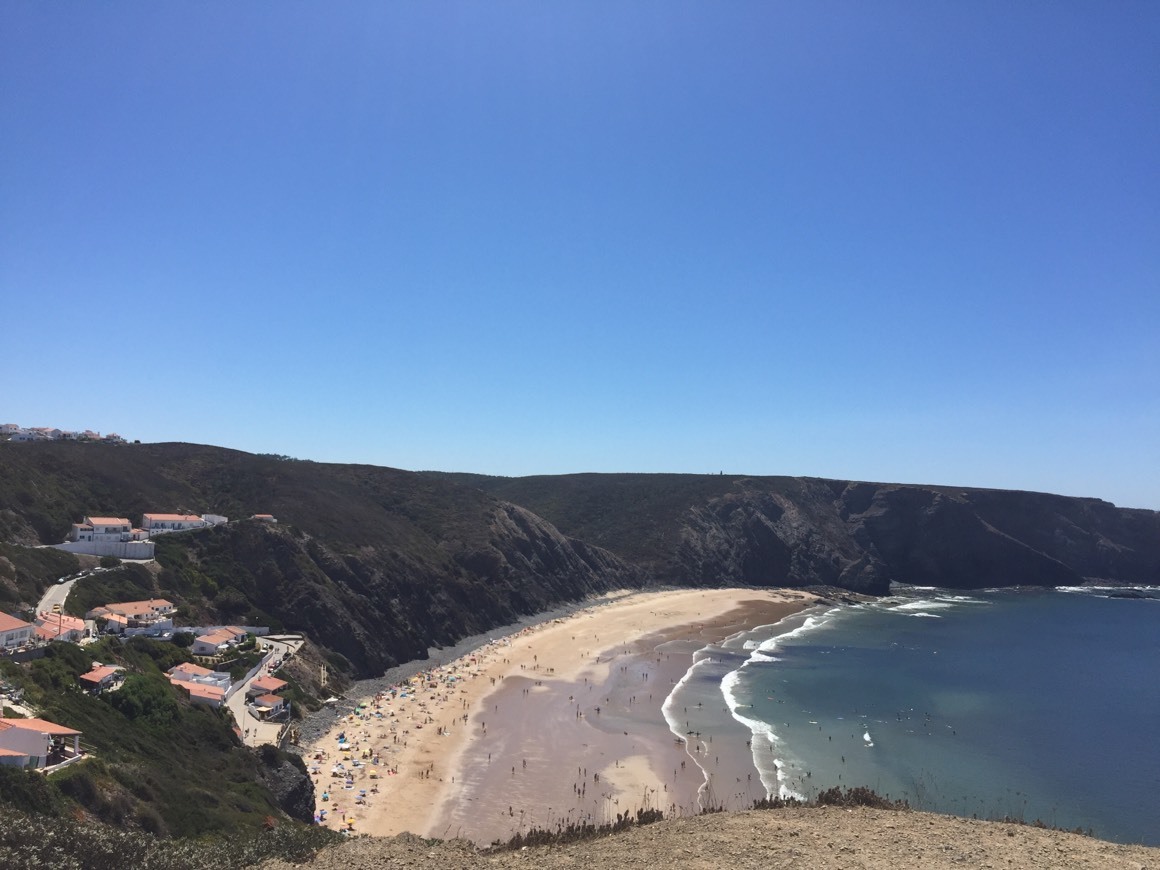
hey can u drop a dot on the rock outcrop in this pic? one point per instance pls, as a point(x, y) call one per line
point(783, 531)
point(284, 774)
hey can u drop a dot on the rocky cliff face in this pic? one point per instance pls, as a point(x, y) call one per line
point(378, 607)
point(863, 536)
point(379, 564)
point(375, 563)
point(284, 774)
point(860, 536)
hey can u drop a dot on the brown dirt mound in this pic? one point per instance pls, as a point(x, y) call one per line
point(826, 837)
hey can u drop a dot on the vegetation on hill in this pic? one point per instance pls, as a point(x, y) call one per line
point(26, 572)
point(378, 564)
point(860, 536)
point(35, 840)
point(159, 763)
point(129, 582)
point(372, 610)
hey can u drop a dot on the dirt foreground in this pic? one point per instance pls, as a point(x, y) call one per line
point(827, 837)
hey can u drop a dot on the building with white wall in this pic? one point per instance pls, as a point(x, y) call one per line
point(59, 626)
point(43, 742)
point(156, 523)
point(102, 529)
point(14, 632)
point(218, 641)
point(151, 613)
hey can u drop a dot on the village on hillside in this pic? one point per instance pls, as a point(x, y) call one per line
point(116, 536)
point(17, 433)
point(218, 653)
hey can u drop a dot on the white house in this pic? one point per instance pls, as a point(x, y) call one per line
point(108, 536)
point(155, 523)
point(15, 432)
point(14, 632)
point(203, 685)
point(59, 626)
point(269, 705)
point(152, 613)
point(102, 529)
point(202, 693)
point(43, 742)
point(217, 642)
point(187, 672)
point(267, 685)
point(101, 677)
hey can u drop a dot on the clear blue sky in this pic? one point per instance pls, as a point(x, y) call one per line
point(914, 242)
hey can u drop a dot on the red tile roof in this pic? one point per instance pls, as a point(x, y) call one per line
point(96, 675)
point(60, 621)
point(41, 725)
point(10, 623)
point(268, 684)
point(189, 668)
point(202, 690)
point(137, 608)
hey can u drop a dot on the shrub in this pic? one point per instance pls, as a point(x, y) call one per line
point(146, 698)
point(29, 791)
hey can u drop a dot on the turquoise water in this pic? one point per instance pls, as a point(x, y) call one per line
point(1028, 704)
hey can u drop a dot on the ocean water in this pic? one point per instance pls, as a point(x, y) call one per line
point(1014, 703)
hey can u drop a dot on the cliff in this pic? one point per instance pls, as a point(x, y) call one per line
point(686, 529)
point(378, 564)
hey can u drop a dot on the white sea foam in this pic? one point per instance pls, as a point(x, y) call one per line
point(812, 623)
point(923, 604)
point(765, 745)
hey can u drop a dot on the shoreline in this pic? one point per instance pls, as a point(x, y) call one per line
point(558, 723)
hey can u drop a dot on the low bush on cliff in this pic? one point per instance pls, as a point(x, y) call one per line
point(32, 842)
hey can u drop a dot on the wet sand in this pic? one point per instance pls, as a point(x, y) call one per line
point(560, 723)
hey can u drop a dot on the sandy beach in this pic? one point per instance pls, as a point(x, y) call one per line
point(560, 722)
